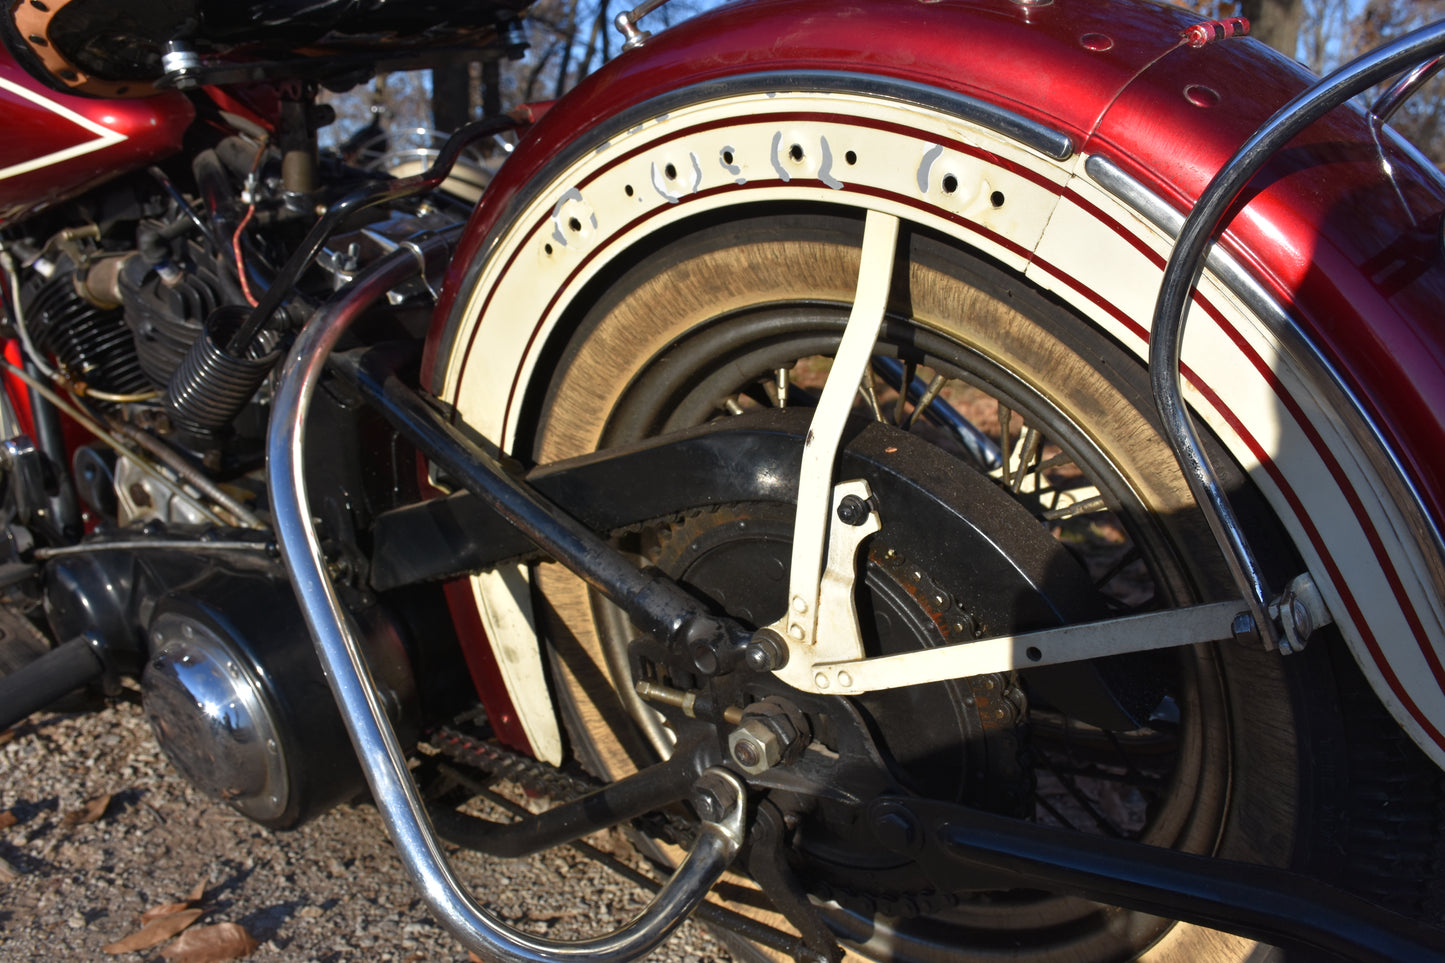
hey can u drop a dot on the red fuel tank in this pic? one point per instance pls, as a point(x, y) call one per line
point(57, 146)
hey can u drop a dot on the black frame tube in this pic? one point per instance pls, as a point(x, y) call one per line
point(656, 604)
point(1259, 902)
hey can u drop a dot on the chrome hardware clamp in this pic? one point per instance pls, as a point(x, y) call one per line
point(626, 23)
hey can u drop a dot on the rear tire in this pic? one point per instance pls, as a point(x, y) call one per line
point(1264, 748)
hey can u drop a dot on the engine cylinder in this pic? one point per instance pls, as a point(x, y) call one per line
point(92, 344)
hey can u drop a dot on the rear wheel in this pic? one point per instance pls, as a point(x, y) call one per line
point(1219, 756)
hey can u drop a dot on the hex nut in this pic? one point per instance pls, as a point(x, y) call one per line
point(755, 747)
point(714, 797)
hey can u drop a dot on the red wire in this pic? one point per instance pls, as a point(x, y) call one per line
point(240, 261)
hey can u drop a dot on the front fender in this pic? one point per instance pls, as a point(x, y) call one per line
point(1307, 353)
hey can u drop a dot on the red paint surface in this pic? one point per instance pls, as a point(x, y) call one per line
point(1356, 255)
point(1324, 227)
point(482, 664)
point(258, 103)
point(152, 126)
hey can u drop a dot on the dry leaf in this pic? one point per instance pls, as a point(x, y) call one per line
point(211, 944)
point(170, 909)
point(93, 810)
point(154, 933)
point(6, 736)
point(8, 819)
point(8, 873)
point(192, 901)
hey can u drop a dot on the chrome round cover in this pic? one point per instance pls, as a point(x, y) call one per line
point(212, 718)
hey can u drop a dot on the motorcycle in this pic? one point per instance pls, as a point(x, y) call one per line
point(798, 455)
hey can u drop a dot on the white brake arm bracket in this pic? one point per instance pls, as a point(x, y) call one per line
point(800, 627)
point(825, 647)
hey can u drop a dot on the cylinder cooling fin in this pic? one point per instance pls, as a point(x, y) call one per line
point(94, 345)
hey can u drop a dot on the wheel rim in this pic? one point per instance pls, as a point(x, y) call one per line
point(738, 360)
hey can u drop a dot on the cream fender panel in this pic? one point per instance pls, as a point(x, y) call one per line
point(1249, 377)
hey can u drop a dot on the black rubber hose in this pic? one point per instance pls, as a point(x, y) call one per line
point(46, 680)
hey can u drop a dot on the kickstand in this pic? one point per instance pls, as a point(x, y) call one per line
point(769, 869)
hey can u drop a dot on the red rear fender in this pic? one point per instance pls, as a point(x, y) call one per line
point(1329, 392)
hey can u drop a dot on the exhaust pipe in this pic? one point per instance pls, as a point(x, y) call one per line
point(49, 678)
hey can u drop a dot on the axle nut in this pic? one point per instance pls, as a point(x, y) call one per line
point(897, 829)
point(755, 747)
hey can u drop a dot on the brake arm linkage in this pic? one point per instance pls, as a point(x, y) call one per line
point(817, 645)
point(809, 631)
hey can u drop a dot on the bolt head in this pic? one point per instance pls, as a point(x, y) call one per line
point(852, 510)
point(746, 753)
point(1244, 629)
point(714, 797)
point(766, 652)
point(897, 829)
point(707, 804)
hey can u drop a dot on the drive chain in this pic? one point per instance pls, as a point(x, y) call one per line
point(543, 779)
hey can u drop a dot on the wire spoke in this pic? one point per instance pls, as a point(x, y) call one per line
point(870, 394)
point(934, 387)
point(910, 371)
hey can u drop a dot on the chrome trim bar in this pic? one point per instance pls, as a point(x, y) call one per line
point(377, 748)
point(1303, 355)
point(1182, 273)
point(1403, 89)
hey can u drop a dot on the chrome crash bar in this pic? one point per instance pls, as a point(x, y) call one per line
point(377, 748)
point(1183, 271)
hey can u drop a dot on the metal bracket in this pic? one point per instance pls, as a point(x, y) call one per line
point(1300, 611)
point(836, 636)
point(626, 24)
point(802, 627)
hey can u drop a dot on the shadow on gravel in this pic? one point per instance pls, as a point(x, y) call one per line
point(264, 924)
point(125, 800)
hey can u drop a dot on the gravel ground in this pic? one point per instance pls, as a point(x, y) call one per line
point(330, 891)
